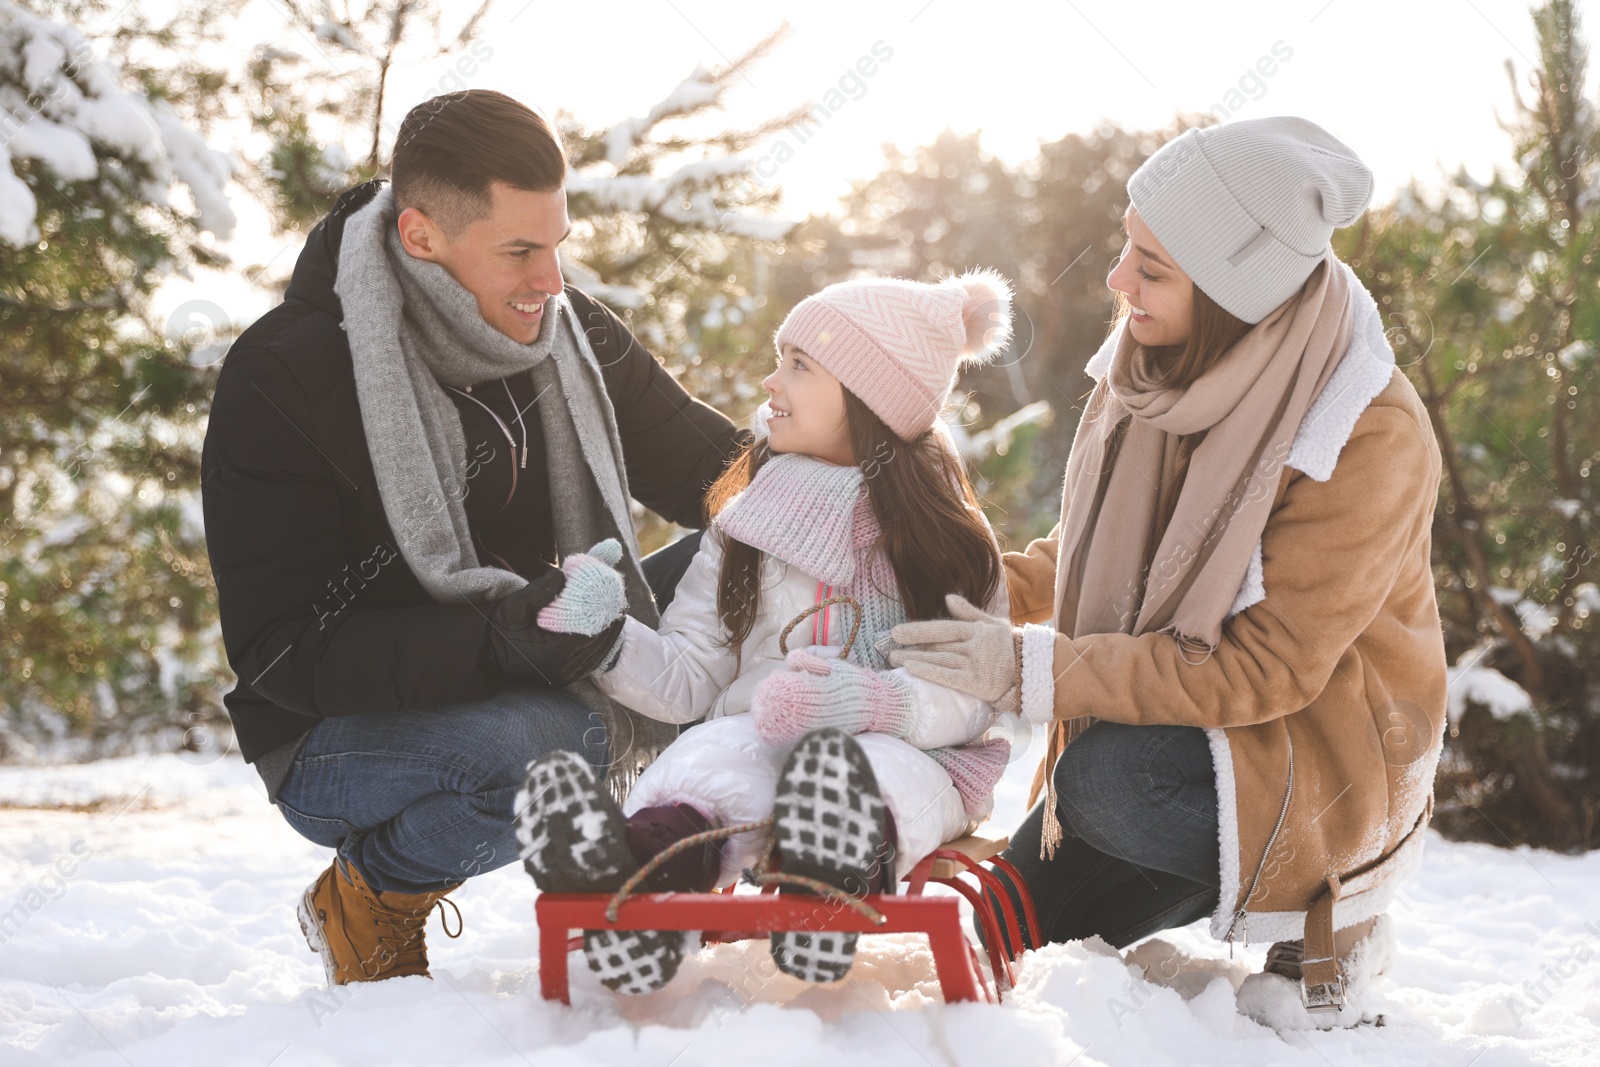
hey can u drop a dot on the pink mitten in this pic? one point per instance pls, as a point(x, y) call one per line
point(816, 692)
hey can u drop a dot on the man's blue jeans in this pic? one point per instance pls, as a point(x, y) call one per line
point(1138, 807)
point(421, 799)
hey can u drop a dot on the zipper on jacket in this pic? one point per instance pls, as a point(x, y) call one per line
point(1240, 916)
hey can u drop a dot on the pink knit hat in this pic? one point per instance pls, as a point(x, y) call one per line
point(897, 345)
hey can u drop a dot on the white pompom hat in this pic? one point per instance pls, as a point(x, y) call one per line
point(898, 345)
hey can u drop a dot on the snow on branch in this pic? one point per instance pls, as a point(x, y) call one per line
point(698, 90)
point(61, 107)
point(686, 196)
point(701, 89)
point(1470, 683)
point(619, 296)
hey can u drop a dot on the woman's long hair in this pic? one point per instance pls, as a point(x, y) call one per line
point(1212, 331)
point(933, 530)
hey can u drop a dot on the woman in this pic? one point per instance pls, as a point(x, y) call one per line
point(1240, 588)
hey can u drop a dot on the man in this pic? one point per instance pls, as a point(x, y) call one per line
point(396, 456)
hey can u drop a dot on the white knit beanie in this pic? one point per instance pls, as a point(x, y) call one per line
point(897, 344)
point(1247, 208)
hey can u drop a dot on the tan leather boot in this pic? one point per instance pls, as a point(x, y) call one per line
point(363, 935)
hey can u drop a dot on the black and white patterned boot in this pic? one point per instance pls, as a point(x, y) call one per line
point(828, 824)
point(573, 839)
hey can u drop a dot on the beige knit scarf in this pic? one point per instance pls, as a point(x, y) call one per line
point(1250, 404)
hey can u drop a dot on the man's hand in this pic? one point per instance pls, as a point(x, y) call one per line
point(972, 651)
point(521, 648)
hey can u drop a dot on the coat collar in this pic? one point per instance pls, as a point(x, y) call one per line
point(314, 271)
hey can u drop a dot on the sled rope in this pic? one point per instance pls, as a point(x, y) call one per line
point(651, 865)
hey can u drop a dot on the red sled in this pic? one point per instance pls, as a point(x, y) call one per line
point(730, 916)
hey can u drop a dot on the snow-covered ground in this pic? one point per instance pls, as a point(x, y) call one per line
point(147, 917)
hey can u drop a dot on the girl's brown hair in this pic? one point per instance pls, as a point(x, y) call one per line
point(1212, 331)
point(933, 530)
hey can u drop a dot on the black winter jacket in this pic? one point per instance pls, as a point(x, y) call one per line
point(320, 613)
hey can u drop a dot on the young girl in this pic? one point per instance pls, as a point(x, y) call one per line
point(852, 489)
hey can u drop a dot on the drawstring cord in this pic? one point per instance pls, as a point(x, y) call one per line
point(650, 866)
point(759, 875)
point(444, 921)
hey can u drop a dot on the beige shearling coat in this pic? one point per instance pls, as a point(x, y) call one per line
point(1325, 699)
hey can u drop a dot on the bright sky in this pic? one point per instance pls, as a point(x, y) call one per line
point(1411, 86)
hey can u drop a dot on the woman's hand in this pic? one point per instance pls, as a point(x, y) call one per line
point(817, 691)
point(971, 651)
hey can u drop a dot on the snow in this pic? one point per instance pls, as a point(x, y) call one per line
point(337, 33)
point(624, 297)
point(203, 171)
point(1537, 619)
point(62, 107)
point(996, 440)
point(148, 917)
point(688, 195)
point(700, 89)
point(1575, 353)
point(1470, 683)
point(685, 196)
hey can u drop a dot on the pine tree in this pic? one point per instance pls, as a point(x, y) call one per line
point(103, 579)
point(1489, 294)
point(320, 94)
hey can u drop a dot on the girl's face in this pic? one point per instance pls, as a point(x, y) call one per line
point(1162, 295)
point(808, 413)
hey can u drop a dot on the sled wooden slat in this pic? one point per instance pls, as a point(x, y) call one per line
point(975, 847)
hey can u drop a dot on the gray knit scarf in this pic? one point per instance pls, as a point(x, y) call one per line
point(411, 326)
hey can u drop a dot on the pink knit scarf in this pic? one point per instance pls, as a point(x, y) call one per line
point(817, 516)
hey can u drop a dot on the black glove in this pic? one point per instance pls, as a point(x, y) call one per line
point(517, 646)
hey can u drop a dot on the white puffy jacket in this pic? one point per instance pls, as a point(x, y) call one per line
point(685, 670)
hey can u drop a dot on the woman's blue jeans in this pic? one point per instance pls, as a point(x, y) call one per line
point(421, 799)
point(1138, 808)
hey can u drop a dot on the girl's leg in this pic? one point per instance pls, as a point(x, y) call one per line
point(723, 774)
point(651, 831)
point(924, 805)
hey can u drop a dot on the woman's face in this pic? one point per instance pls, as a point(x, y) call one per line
point(1162, 295)
point(808, 413)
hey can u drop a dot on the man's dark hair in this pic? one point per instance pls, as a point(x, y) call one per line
point(452, 146)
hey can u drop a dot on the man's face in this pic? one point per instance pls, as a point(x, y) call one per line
point(506, 260)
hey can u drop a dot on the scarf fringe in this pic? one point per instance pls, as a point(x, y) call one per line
point(1062, 734)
